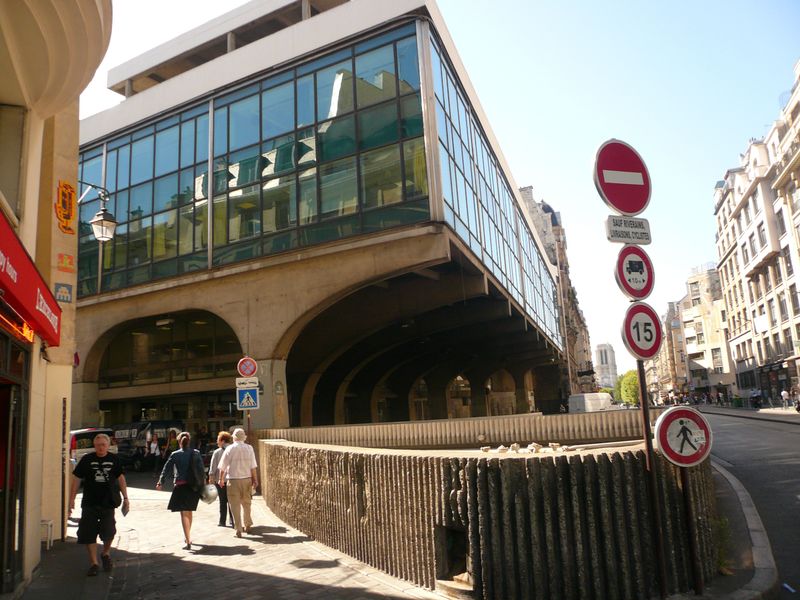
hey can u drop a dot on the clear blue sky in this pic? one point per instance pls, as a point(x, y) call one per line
point(687, 83)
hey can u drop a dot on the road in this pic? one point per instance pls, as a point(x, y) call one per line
point(765, 457)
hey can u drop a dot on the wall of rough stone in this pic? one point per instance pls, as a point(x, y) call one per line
point(543, 526)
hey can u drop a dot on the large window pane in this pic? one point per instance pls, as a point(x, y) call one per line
point(201, 139)
point(243, 216)
point(167, 151)
point(120, 251)
point(201, 182)
point(411, 116)
point(186, 187)
point(121, 206)
point(139, 234)
point(201, 225)
point(277, 156)
point(380, 177)
point(278, 110)
point(337, 138)
point(334, 90)
point(123, 167)
point(408, 65)
point(305, 101)
point(280, 210)
point(375, 76)
point(416, 172)
point(378, 126)
point(142, 160)
point(308, 196)
point(111, 171)
point(244, 122)
point(166, 193)
point(187, 144)
point(220, 131)
point(220, 220)
point(141, 201)
point(165, 235)
point(244, 167)
point(338, 189)
point(92, 172)
point(306, 147)
point(186, 230)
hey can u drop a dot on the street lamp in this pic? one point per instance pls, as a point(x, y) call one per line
point(103, 224)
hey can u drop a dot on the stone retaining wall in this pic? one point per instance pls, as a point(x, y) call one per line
point(536, 526)
point(614, 425)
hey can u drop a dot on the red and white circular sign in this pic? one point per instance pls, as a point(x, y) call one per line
point(247, 366)
point(634, 273)
point(621, 178)
point(641, 331)
point(683, 436)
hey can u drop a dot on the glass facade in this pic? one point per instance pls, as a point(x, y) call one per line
point(479, 204)
point(182, 347)
point(329, 149)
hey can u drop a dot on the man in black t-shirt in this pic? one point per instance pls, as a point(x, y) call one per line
point(101, 473)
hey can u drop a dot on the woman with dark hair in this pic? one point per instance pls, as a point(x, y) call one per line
point(187, 467)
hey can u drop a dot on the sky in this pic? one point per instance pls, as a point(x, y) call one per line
point(686, 83)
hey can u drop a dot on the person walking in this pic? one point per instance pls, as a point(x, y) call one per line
point(154, 452)
point(224, 439)
point(187, 466)
point(238, 472)
point(103, 481)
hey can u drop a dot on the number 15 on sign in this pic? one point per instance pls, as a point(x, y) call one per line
point(641, 331)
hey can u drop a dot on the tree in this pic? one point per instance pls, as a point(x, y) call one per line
point(607, 390)
point(629, 387)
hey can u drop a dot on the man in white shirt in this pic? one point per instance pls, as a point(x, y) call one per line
point(238, 472)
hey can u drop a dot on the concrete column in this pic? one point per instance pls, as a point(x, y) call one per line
point(129, 88)
point(479, 399)
point(85, 410)
point(437, 396)
point(231, 41)
point(306, 9)
point(274, 410)
point(547, 388)
point(521, 391)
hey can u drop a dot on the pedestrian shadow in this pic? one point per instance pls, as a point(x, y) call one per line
point(278, 539)
point(214, 550)
point(262, 529)
point(307, 563)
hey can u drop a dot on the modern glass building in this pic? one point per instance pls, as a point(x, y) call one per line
point(371, 130)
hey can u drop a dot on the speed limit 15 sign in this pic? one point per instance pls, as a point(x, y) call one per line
point(641, 331)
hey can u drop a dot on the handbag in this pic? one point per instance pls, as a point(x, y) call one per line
point(209, 493)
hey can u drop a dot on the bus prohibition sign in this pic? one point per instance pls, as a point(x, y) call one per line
point(641, 331)
point(683, 436)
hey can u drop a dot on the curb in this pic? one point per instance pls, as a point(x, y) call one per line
point(765, 579)
point(752, 415)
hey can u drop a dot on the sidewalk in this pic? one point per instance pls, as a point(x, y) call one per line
point(274, 561)
point(280, 563)
point(780, 415)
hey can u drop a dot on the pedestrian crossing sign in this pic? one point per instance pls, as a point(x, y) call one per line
point(247, 399)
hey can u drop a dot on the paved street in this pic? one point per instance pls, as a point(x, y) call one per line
point(273, 562)
point(765, 457)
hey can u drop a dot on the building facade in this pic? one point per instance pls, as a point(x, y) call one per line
point(38, 246)
point(577, 370)
point(606, 366)
point(757, 208)
point(314, 185)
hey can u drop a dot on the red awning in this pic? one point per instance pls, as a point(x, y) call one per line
point(24, 289)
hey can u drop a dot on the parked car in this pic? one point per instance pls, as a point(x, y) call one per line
point(81, 442)
point(133, 438)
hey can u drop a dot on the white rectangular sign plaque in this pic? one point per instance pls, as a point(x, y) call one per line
point(246, 382)
point(628, 230)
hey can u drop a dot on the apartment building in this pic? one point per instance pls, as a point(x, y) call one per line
point(757, 208)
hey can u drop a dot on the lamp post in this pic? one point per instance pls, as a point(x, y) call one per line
point(103, 225)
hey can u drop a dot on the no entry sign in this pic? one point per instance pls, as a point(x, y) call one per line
point(634, 272)
point(621, 178)
point(683, 436)
point(641, 331)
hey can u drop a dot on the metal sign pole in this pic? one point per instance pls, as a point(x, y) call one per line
point(652, 481)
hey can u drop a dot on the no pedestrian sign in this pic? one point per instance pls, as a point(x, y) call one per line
point(683, 436)
point(621, 178)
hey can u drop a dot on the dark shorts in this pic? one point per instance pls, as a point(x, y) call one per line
point(183, 498)
point(96, 522)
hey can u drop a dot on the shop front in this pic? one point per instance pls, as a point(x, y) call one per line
point(27, 310)
point(773, 379)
